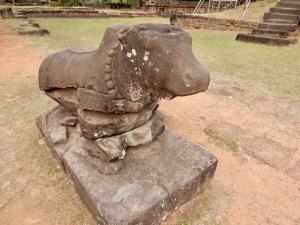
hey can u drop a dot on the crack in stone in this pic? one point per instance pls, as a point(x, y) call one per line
point(139, 162)
point(169, 195)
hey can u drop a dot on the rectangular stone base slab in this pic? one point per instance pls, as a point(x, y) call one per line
point(155, 181)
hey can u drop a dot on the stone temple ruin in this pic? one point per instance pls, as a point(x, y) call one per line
point(106, 133)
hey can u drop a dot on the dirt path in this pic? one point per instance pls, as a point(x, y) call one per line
point(255, 140)
point(257, 179)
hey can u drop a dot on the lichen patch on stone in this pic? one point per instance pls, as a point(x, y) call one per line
point(146, 56)
point(133, 52)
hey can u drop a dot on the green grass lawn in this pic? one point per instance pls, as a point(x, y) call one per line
point(258, 69)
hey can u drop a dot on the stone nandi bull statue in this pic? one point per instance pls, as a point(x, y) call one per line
point(114, 90)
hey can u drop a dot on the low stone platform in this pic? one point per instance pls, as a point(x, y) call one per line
point(156, 179)
point(280, 26)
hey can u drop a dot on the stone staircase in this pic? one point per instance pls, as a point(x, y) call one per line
point(280, 26)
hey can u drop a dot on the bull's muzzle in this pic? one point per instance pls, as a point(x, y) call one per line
point(191, 81)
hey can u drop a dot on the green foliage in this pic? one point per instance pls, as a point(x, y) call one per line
point(105, 2)
point(65, 3)
point(130, 3)
point(97, 2)
point(122, 5)
point(37, 2)
point(55, 4)
point(125, 5)
point(135, 3)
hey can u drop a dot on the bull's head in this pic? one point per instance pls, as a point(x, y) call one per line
point(162, 59)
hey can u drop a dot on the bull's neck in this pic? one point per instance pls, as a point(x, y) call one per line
point(123, 79)
point(111, 69)
point(118, 73)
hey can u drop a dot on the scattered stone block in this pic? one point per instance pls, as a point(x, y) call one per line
point(95, 125)
point(6, 13)
point(66, 97)
point(50, 121)
point(59, 134)
point(40, 32)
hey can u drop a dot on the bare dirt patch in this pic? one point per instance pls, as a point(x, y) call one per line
point(256, 152)
point(254, 138)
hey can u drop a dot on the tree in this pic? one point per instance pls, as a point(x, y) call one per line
point(136, 3)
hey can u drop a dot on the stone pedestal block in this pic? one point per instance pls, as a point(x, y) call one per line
point(155, 180)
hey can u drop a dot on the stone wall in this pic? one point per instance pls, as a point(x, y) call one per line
point(78, 13)
point(184, 7)
point(192, 21)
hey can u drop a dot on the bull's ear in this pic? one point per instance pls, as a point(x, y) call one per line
point(124, 34)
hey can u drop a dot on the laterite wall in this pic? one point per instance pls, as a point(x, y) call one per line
point(201, 22)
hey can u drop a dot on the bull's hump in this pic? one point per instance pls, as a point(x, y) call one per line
point(83, 50)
